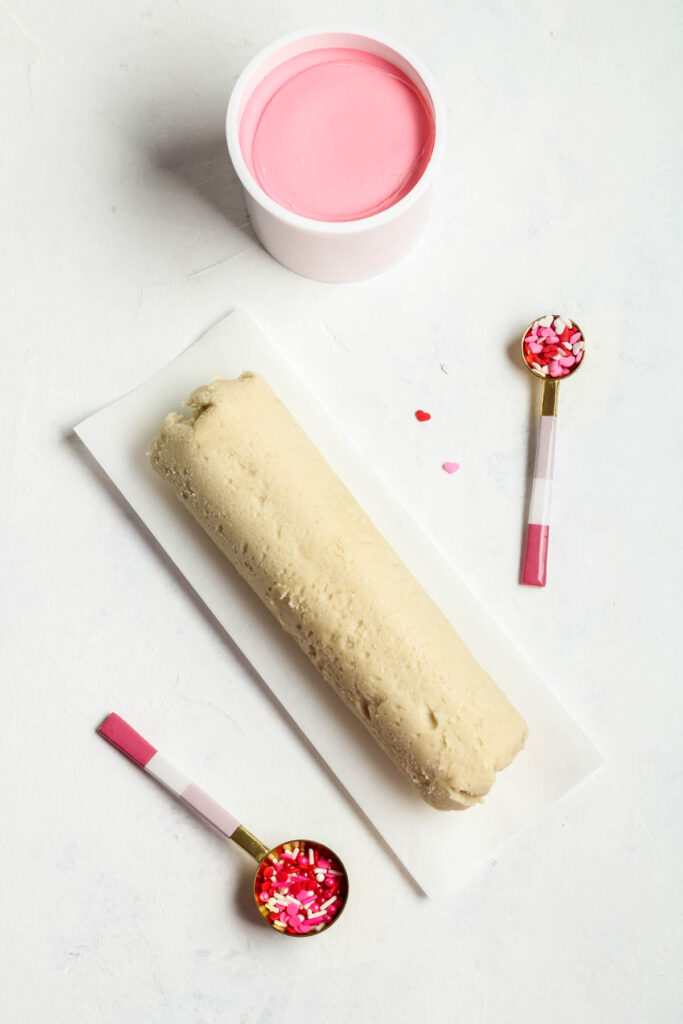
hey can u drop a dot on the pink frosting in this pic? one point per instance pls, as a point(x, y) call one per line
point(336, 134)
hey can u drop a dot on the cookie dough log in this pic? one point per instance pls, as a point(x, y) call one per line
point(255, 482)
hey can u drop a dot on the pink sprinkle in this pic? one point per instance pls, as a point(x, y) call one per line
point(451, 467)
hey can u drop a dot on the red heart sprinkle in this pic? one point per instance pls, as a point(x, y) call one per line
point(422, 416)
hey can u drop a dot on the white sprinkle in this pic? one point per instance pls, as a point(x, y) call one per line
point(448, 368)
point(320, 876)
point(310, 854)
point(318, 913)
point(319, 928)
point(331, 872)
point(577, 348)
point(545, 321)
point(567, 345)
point(280, 899)
point(295, 852)
point(560, 325)
point(536, 366)
point(293, 899)
point(327, 903)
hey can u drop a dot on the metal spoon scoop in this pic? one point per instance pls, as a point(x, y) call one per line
point(553, 348)
point(301, 887)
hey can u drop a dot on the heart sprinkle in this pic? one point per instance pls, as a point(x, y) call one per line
point(422, 416)
point(451, 467)
point(448, 368)
point(553, 351)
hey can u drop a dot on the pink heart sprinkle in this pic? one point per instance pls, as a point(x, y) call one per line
point(451, 467)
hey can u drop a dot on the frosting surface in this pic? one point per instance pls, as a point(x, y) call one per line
point(336, 134)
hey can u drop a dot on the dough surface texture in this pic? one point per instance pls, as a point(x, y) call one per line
point(258, 486)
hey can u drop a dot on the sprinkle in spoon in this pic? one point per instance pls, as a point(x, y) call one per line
point(553, 348)
point(301, 887)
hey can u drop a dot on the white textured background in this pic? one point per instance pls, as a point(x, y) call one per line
point(123, 237)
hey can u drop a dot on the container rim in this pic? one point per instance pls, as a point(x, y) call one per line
point(308, 224)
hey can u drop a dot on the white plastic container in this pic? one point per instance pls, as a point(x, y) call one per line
point(334, 250)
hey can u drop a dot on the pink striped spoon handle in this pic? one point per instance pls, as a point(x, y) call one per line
point(131, 743)
point(538, 528)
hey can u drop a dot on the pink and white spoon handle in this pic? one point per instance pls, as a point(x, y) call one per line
point(538, 528)
point(131, 743)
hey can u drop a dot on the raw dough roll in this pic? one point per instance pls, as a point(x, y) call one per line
point(249, 474)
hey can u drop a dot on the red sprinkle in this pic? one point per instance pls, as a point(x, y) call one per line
point(297, 896)
point(422, 416)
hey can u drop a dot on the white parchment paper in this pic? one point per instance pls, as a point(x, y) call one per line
point(439, 849)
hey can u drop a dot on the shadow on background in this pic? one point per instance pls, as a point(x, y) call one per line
point(199, 161)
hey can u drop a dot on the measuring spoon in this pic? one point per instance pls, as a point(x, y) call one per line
point(301, 887)
point(553, 348)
